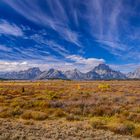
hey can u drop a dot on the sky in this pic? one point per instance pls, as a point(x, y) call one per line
point(69, 34)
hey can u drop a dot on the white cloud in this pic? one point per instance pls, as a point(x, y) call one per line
point(125, 68)
point(115, 48)
point(69, 35)
point(58, 21)
point(6, 66)
point(5, 48)
point(107, 21)
point(82, 60)
point(51, 44)
point(85, 64)
point(12, 66)
point(10, 29)
point(71, 62)
point(110, 25)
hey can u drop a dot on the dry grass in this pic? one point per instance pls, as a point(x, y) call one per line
point(112, 105)
point(34, 115)
point(137, 132)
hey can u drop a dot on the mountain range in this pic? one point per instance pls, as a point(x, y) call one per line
point(100, 72)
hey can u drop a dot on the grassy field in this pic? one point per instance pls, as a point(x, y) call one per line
point(106, 105)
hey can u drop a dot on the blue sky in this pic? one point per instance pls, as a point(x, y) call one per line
point(67, 34)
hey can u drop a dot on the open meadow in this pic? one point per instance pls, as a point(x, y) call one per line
point(58, 109)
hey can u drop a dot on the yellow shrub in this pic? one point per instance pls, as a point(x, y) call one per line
point(52, 95)
point(98, 123)
point(104, 87)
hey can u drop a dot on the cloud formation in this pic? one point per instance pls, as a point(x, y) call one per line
point(85, 64)
point(58, 21)
point(74, 62)
point(5, 48)
point(110, 24)
point(7, 28)
point(82, 60)
point(12, 66)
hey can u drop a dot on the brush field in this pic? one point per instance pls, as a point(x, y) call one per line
point(70, 110)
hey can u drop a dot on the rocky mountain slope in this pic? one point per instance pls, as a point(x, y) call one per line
point(74, 74)
point(105, 72)
point(51, 74)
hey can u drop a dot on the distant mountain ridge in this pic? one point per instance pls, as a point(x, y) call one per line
point(29, 74)
point(100, 72)
point(135, 74)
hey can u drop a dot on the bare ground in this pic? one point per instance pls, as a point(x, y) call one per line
point(54, 130)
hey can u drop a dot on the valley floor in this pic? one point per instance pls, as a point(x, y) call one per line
point(69, 110)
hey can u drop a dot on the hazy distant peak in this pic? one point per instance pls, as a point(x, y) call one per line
point(135, 74)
